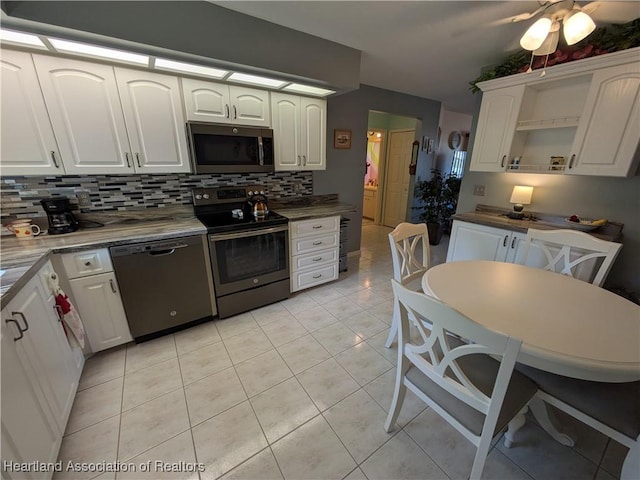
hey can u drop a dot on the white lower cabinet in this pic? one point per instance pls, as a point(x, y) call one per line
point(470, 241)
point(314, 252)
point(95, 290)
point(39, 379)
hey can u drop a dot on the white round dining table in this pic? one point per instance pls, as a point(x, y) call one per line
point(567, 326)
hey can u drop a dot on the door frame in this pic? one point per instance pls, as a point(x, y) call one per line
point(381, 166)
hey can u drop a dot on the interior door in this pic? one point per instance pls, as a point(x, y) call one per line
point(397, 177)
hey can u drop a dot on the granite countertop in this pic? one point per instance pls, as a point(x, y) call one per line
point(312, 206)
point(496, 217)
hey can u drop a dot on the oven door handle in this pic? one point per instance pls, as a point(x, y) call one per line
point(247, 233)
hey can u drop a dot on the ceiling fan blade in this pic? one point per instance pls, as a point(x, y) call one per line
point(612, 12)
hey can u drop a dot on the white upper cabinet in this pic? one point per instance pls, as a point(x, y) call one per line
point(221, 103)
point(28, 143)
point(300, 131)
point(606, 141)
point(496, 126)
point(155, 123)
point(581, 118)
point(86, 114)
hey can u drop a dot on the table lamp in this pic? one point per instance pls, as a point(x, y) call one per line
point(520, 197)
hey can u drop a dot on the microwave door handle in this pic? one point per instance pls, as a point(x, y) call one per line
point(260, 151)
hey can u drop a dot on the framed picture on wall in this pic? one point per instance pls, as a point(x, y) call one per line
point(342, 139)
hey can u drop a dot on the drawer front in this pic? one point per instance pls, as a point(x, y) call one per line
point(90, 262)
point(313, 260)
point(311, 278)
point(314, 244)
point(314, 226)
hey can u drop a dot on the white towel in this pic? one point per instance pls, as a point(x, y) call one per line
point(71, 321)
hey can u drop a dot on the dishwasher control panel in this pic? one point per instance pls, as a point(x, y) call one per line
point(147, 248)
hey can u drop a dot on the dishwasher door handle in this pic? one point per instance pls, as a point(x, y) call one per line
point(161, 253)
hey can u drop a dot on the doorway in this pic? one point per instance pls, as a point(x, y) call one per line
point(389, 192)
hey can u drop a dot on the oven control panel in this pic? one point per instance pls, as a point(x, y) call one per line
point(218, 195)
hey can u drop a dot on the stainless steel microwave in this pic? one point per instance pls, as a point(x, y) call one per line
point(217, 148)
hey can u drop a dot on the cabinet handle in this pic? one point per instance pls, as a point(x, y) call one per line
point(113, 286)
point(55, 163)
point(504, 158)
point(24, 320)
point(317, 243)
point(504, 242)
point(126, 157)
point(235, 112)
point(513, 242)
point(573, 157)
point(58, 310)
point(138, 160)
point(299, 161)
point(317, 259)
point(317, 276)
point(87, 264)
point(226, 106)
point(315, 227)
point(20, 331)
point(304, 160)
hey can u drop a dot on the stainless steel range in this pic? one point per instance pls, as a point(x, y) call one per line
point(249, 253)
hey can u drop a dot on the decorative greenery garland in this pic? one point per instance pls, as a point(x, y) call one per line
point(602, 40)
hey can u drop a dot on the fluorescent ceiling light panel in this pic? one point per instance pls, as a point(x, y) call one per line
point(102, 52)
point(165, 64)
point(21, 38)
point(297, 87)
point(255, 80)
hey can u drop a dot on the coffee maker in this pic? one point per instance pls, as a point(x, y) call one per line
point(61, 220)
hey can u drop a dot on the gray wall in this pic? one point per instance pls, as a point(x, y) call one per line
point(617, 199)
point(202, 29)
point(345, 168)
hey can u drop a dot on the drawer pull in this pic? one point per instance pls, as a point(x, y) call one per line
point(113, 287)
point(20, 331)
point(317, 259)
point(317, 276)
point(315, 227)
point(317, 243)
point(87, 264)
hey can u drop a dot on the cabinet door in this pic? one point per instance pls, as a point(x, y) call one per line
point(45, 349)
point(84, 105)
point(28, 144)
point(470, 241)
point(100, 306)
point(496, 127)
point(285, 113)
point(153, 113)
point(514, 248)
point(250, 106)
point(313, 133)
point(206, 101)
point(608, 134)
point(29, 432)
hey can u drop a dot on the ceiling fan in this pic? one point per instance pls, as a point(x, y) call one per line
point(577, 22)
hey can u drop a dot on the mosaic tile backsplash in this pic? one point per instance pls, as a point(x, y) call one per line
point(20, 196)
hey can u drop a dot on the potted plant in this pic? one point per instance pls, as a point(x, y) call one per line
point(439, 197)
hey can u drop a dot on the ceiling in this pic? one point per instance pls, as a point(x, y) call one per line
point(431, 49)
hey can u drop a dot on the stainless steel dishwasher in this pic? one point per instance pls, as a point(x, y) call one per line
point(165, 285)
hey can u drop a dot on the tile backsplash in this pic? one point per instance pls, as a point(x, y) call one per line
point(20, 196)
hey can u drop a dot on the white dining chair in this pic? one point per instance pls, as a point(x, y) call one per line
point(409, 244)
point(566, 251)
point(470, 385)
point(611, 408)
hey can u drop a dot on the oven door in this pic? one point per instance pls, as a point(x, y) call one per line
point(248, 259)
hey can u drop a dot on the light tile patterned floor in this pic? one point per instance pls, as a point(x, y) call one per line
point(294, 390)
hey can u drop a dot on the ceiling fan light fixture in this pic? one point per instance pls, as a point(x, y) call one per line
point(550, 43)
point(535, 35)
point(576, 26)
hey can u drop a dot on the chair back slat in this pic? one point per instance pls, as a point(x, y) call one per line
point(407, 241)
point(566, 251)
point(439, 354)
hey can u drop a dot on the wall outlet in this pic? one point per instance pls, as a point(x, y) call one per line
point(84, 200)
point(478, 190)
